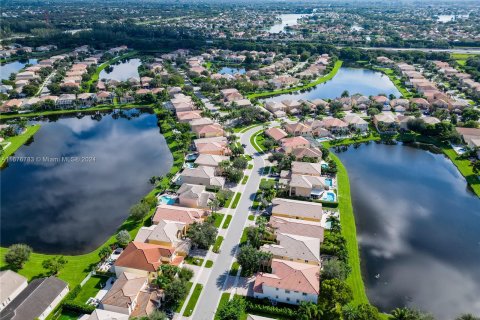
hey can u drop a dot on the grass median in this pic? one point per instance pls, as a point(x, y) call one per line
point(236, 200)
point(227, 221)
point(193, 300)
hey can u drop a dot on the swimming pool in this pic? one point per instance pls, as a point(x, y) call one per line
point(191, 156)
point(166, 199)
point(329, 182)
point(189, 165)
point(329, 196)
point(324, 166)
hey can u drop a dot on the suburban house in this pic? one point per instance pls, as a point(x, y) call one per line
point(335, 126)
point(297, 227)
point(86, 99)
point(105, 97)
point(289, 282)
point(187, 116)
point(210, 160)
point(471, 137)
point(11, 284)
point(294, 248)
point(306, 168)
point(298, 129)
point(208, 130)
point(296, 209)
point(277, 108)
point(200, 122)
point(289, 144)
point(66, 100)
point(165, 233)
point(304, 185)
point(386, 122)
point(131, 295)
point(145, 258)
point(100, 314)
point(194, 196)
point(213, 145)
point(276, 134)
point(177, 213)
point(308, 152)
point(355, 122)
point(37, 300)
point(201, 175)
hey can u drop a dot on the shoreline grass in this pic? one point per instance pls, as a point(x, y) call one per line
point(17, 141)
point(314, 83)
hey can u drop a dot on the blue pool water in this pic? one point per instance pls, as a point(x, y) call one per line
point(328, 196)
point(329, 182)
point(191, 156)
point(165, 199)
point(189, 165)
point(324, 166)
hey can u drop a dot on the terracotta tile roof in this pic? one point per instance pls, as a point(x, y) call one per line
point(296, 247)
point(125, 290)
point(176, 213)
point(290, 275)
point(310, 210)
point(143, 256)
point(276, 133)
point(298, 227)
point(295, 141)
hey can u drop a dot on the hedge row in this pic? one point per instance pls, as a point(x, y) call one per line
point(271, 310)
point(77, 307)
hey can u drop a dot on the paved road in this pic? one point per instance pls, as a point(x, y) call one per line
point(211, 293)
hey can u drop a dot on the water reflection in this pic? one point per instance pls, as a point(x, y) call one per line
point(122, 70)
point(418, 229)
point(354, 80)
point(13, 67)
point(74, 206)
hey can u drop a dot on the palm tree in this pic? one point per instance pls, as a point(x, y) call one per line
point(467, 317)
point(349, 312)
point(402, 314)
point(309, 311)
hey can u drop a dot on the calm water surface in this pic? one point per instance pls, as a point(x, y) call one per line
point(228, 70)
point(14, 67)
point(122, 71)
point(287, 20)
point(418, 228)
point(73, 207)
point(354, 80)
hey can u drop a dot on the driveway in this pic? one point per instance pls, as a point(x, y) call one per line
point(216, 282)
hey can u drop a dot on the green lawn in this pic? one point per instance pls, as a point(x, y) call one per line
point(253, 140)
point(259, 140)
point(16, 142)
point(218, 220)
point(91, 288)
point(193, 261)
point(245, 129)
point(234, 268)
point(193, 300)
point(465, 169)
point(347, 220)
point(209, 264)
point(180, 305)
point(226, 223)
point(245, 179)
point(244, 238)
point(320, 80)
point(251, 217)
point(218, 244)
point(236, 200)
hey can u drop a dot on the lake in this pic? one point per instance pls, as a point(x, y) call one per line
point(73, 207)
point(13, 67)
point(122, 70)
point(354, 80)
point(287, 20)
point(418, 228)
point(232, 71)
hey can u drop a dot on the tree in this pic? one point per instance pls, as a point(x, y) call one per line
point(202, 235)
point(366, 311)
point(123, 238)
point(240, 163)
point(17, 255)
point(476, 167)
point(139, 211)
point(55, 264)
point(105, 252)
point(309, 311)
point(408, 314)
point(157, 315)
point(334, 269)
point(251, 259)
point(345, 94)
point(334, 291)
point(175, 292)
point(232, 310)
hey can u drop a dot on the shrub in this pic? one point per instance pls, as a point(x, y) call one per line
point(139, 211)
point(123, 238)
point(77, 307)
point(271, 310)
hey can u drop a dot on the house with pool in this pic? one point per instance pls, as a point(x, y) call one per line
point(296, 209)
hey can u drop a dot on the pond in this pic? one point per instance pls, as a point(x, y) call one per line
point(72, 207)
point(228, 70)
point(122, 70)
point(286, 20)
point(418, 228)
point(354, 80)
point(13, 67)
